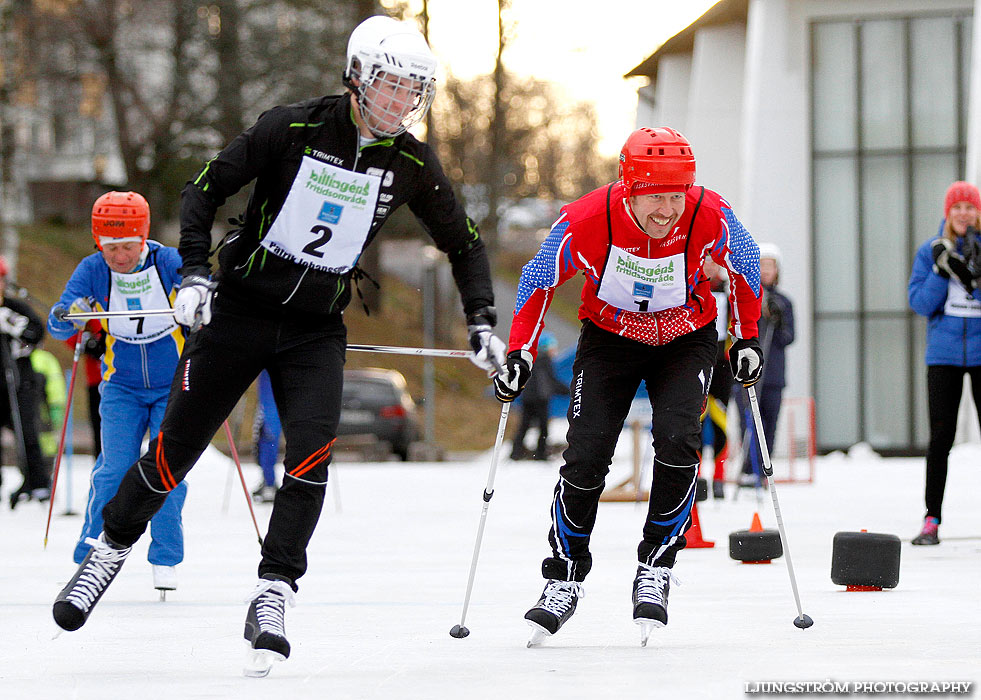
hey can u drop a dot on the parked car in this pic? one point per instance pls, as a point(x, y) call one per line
point(377, 402)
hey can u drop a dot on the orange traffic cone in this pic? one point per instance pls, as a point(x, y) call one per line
point(694, 534)
point(757, 526)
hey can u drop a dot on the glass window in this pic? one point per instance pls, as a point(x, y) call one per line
point(834, 86)
point(887, 393)
point(884, 192)
point(837, 382)
point(885, 219)
point(933, 81)
point(836, 234)
point(932, 175)
point(921, 423)
point(883, 122)
point(967, 33)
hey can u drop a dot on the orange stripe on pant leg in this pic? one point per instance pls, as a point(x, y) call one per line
point(313, 460)
point(163, 469)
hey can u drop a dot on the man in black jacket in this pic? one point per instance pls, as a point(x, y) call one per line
point(21, 329)
point(541, 387)
point(328, 172)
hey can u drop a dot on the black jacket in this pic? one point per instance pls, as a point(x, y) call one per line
point(776, 327)
point(543, 384)
point(270, 153)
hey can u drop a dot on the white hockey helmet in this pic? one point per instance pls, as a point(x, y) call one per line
point(392, 70)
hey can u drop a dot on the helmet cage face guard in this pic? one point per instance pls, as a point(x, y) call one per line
point(391, 99)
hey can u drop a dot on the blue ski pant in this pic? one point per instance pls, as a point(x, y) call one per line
point(267, 430)
point(127, 414)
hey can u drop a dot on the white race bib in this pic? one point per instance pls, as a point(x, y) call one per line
point(960, 302)
point(138, 291)
point(643, 285)
point(326, 217)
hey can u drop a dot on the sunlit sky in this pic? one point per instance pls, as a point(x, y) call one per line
point(586, 46)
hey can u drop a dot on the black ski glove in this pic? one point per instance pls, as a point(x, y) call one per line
point(947, 263)
point(746, 360)
point(509, 383)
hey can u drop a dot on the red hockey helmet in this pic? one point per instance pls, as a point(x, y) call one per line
point(660, 157)
point(120, 215)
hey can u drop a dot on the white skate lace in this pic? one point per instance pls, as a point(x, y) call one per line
point(270, 599)
point(559, 596)
point(101, 566)
point(651, 582)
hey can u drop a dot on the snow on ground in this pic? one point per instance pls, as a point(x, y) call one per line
point(388, 573)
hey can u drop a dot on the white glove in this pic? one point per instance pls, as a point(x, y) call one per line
point(192, 306)
point(12, 323)
point(489, 351)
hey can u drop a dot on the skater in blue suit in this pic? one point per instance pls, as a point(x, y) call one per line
point(129, 272)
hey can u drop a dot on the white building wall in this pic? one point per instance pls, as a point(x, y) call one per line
point(747, 115)
point(670, 104)
point(775, 170)
point(714, 123)
point(973, 169)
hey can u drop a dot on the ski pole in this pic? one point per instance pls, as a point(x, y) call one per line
point(79, 346)
point(802, 621)
point(241, 477)
point(391, 349)
point(421, 352)
point(135, 313)
point(460, 631)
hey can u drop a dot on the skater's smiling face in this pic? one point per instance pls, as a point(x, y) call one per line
point(658, 212)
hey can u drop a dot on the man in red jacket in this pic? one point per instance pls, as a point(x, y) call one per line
point(647, 315)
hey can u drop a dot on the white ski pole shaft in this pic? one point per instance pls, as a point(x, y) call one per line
point(802, 621)
point(421, 352)
point(460, 631)
point(135, 313)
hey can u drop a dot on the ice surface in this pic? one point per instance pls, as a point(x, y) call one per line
point(388, 573)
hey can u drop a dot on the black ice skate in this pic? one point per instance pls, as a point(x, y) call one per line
point(265, 626)
point(650, 598)
point(556, 605)
point(95, 573)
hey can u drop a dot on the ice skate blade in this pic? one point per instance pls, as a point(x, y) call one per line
point(538, 634)
point(646, 626)
point(259, 662)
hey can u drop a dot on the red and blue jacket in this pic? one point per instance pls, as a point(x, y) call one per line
point(581, 240)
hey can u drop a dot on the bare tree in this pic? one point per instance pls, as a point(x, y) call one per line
point(498, 133)
point(546, 147)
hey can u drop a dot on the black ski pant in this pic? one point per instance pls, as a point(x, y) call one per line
point(944, 388)
point(534, 414)
point(34, 467)
point(305, 359)
point(606, 374)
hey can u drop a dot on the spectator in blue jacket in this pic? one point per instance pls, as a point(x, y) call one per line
point(944, 287)
point(776, 332)
point(132, 273)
